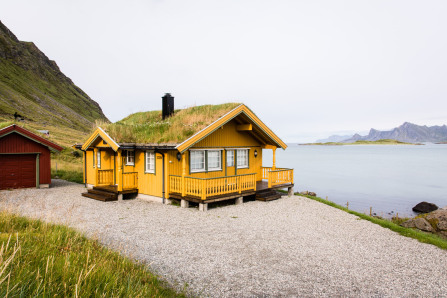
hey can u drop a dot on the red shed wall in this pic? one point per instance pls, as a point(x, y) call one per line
point(16, 143)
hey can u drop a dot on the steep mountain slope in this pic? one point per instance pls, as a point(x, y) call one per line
point(407, 132)
point(34, 87)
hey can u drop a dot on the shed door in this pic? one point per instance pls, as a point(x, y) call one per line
point(17, 170)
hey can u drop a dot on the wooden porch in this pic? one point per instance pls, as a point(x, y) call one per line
point(105, 190)
point(210, 190)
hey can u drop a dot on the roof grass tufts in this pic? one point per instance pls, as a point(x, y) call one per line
point(150, 128)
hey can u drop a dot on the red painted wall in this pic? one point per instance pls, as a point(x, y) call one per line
point(16, 143)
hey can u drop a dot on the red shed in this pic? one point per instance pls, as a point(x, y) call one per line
point(25, 159)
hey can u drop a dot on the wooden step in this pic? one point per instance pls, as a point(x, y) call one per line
point(103, 193)
point(268, 198)
point(109, 188)
point(98, 197)
point(268, 195)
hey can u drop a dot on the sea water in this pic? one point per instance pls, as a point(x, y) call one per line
point(389, 178)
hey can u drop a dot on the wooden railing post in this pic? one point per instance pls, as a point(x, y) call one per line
point(270, 179)
point(239, 184)
point(183, 174)
point(203, 189)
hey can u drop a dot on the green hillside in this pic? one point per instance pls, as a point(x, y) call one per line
point(34, 87)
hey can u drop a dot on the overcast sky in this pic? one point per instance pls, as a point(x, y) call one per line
point(308, 69)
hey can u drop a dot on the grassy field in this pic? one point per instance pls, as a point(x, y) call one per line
point(393, 224)
point(43, 260)
point(378, 142)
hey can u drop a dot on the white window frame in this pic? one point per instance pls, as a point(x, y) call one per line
point(130, 157)
point(228, 158)
point(149, 157)
point(98, 159)
point(238, 159)
point(191, 152)
point(219, 158)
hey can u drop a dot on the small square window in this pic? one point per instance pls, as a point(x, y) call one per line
point(242, 158)
point(230, 158)
point(150, 162)
point(197, 161)
point(130, 158)
point(214, 160)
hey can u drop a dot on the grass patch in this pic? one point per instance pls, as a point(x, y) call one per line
point(407, 232)
point(45, 260)
point(72, 176)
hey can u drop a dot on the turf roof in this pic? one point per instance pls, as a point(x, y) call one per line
point(149, 128)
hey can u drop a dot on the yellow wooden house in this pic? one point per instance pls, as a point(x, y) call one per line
point(200, 154)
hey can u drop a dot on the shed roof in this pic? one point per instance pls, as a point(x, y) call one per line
point(27, 134)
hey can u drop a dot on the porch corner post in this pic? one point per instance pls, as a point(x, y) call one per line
point(183, 174)
point(274, 159)
point(119, 179)
point(95, 154)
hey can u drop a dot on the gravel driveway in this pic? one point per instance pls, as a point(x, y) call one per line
point(289, 247)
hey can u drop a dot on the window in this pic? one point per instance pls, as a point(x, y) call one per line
point(230, 158)
point(98, 159)
point(197, 161)
point(242, 158)
point(150, 162)
point(214, 160)
point(130, 158)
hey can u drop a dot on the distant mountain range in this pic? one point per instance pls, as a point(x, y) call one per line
point(33, 86)
point(407, 132)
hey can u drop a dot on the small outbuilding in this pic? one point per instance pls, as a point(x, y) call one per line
point(25, 159)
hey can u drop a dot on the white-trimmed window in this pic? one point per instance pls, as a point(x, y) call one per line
point(242, 158)
point(214, 160)
point(150, 162)
point(130, 158)
point(197, 160)
point(230, 158)
point(98, 159)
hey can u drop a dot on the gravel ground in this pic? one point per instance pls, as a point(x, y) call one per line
point(288, 247)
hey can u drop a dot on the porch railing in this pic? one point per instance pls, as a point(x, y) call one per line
point(130, 180)
point(208, 187)
point(105, 177)
point(277, 176)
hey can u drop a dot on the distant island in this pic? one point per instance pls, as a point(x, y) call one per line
point(407, 133)
point(378, 142)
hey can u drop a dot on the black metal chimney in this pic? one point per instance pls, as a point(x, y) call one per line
point(168, 106)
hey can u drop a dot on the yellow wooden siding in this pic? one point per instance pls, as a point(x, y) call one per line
point(228, 136)
point(148, 183)
point(90, 168)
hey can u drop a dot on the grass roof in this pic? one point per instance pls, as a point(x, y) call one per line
point(149, 128)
